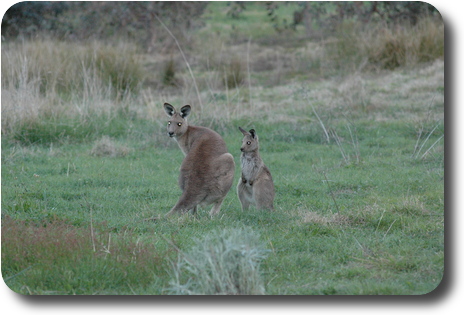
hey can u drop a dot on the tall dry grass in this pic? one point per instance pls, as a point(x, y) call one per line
point(390, 47)
point(47, 81)
point(51, 80)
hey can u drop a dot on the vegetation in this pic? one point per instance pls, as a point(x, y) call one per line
point(225, 262)
point(351, 125)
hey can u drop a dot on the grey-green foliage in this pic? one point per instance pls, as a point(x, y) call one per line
point(223, 262)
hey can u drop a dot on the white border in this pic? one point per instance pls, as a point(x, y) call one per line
point(450, 300)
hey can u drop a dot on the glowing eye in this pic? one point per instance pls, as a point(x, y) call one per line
point(179, 124)
point(169, 123)
point(248, 142)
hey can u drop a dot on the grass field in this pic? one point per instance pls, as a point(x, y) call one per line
point(357, 160)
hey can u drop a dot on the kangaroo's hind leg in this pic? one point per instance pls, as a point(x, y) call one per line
point(216, 207)
point(263, 192)
point(225, 168)
point(244, 195)
point(186, 202)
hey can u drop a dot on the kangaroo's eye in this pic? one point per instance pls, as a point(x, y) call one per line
point(248, 142)
point(169, 123)
point(179, 124)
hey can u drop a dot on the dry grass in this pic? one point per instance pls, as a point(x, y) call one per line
point(379, 46)
point(106, 147)
point(308, 216)
point(223, 263)
point(412, 205)
point(48, 80)
point(52, 80)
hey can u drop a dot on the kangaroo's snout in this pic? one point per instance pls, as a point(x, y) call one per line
point(171, 134)
point(242, 149)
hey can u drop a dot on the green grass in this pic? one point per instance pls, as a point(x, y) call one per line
point(368, 227)
point(252, 22)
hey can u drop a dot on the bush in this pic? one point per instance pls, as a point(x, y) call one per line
point(225, 262)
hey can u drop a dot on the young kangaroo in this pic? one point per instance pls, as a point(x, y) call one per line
point(256, 185)
point(207, 171)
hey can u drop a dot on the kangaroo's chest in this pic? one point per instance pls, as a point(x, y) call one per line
point(249, 167)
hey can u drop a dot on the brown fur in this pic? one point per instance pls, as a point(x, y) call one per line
point(207, 171)
point(255, 186)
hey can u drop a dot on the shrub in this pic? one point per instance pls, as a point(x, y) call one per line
point(224, 262)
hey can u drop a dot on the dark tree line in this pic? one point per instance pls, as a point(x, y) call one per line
point(328, 16)
point(100, 20)
point(136, 19)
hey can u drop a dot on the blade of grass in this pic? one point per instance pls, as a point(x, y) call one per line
point(185, 60)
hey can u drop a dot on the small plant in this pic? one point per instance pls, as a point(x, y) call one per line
point(224, 262)
point(417, 154)
point(353, 157)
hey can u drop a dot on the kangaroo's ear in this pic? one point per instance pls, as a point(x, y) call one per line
point(253, 133)
point(170, 110)
point(243, 131)
point(185, 111)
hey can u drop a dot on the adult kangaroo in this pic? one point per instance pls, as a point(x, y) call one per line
point(207, 171)
point(255, 186)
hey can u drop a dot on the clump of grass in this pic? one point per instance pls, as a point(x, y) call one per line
point(120, 67)
point(351, 154)
point(169, 74)
point(106, 147)
point(234, 75)
point(411, 205)
point(317, 218)
point(223, 262)
point(56, 257)
point(356, 46)
point(417, 154)
point(405, 45)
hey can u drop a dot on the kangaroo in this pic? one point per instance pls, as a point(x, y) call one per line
point(255, 186)
point(207, 171)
